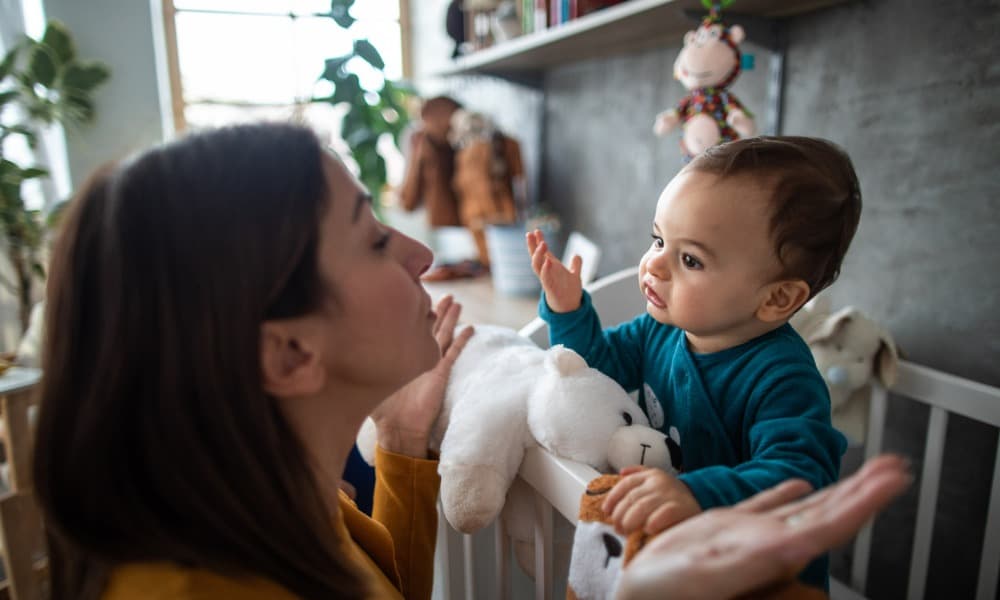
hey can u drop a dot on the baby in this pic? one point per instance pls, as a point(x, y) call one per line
point(743, 236)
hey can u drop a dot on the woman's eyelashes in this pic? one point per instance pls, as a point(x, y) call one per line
point(382, 242)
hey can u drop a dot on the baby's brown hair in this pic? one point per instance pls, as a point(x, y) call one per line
point(815, 199)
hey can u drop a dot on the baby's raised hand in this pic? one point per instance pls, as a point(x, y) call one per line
point(649, 499)
point(563, 287)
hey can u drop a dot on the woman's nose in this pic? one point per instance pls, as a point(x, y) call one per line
point(417, 257)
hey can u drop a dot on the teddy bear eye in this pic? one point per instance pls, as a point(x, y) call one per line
point(628, 418)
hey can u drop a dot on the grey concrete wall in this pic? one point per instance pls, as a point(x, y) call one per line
point(910, 88)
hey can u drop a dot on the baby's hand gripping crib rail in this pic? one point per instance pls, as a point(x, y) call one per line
point(558, 483)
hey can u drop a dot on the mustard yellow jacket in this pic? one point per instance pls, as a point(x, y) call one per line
point(395, 546)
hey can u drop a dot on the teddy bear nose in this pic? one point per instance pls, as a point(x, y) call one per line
point(836, 375)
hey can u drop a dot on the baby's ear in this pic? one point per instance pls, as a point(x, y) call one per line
point(782, 299)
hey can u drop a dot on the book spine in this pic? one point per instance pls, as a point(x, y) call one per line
point(541, 18)
point(527, 16)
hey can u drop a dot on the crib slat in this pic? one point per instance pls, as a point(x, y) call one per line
point(468, 562)
point(502, 549)
point(543, 548)
point(986, 589)
point(442, 558)
point(873, 447)
point(930, 478)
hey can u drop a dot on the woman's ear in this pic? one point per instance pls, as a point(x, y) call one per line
point(782, 300)
point(289, 365)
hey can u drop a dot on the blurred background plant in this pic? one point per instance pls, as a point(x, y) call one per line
point(42, 82)
point(373, 111)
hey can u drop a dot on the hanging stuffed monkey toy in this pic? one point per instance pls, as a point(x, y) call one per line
point(707, 65)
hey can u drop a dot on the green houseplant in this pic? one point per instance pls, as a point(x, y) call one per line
point(41, 82)
point(371, 113)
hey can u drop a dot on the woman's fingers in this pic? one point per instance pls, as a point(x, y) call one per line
point(457, 344)
point(440, 311)
point(775, 497)
point(846, 488)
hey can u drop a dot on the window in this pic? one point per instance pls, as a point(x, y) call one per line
point(244, 60)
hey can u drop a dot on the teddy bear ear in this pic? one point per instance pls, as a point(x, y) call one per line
point(829, 327)
point(886, 360)
point(564, 361)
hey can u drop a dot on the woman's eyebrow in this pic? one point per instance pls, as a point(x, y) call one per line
point(362, 199)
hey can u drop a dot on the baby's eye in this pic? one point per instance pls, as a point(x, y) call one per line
point(657, 241)
point(628, 418)
point(690, 261)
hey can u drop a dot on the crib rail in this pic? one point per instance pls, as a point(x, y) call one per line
point(945, 394)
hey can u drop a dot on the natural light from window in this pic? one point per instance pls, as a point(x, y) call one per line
point(247, 60)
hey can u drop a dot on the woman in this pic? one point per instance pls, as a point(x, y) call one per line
point(223, 313)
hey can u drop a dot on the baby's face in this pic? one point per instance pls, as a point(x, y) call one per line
point(711, 259)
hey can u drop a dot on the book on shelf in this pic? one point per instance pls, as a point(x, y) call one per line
point(541, 20)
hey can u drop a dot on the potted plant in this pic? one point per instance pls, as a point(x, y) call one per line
point(371, 113)
point(41, 82)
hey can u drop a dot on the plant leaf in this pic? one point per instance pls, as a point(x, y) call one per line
point(367, 51)
point(332, 69)
point(41, 66)
point(79, 106)
point(340, 11)
point(58, 38)
point(348, 89)
point(7, 64)
point(6, 97)
point(85, 76)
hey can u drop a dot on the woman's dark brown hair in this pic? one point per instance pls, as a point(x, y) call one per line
point(155, 440)
point(815, 199)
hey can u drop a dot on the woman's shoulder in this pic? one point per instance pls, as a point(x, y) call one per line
point(168, 581)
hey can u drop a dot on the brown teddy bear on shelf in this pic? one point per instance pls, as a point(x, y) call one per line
point(488, 176)
point(431, 165)
point(707, 65)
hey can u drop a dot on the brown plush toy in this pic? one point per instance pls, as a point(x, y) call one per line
point(487, 165)
point(600, 554)
point(431, 165)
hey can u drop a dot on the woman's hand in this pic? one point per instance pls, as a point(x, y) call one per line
point(563, 287)
point(403, 421)
point(768, 538)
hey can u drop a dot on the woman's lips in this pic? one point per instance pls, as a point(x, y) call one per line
point(653, 298)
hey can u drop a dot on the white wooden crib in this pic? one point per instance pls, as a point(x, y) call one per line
point(480, 566)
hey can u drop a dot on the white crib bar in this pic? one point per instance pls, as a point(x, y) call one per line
point(873, 447)
point(469, 566)
point(930, 479)
point(986, 589)
point(543, 548)
point(502, 549)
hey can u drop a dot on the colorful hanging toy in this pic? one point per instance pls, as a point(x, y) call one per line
point(707, 65)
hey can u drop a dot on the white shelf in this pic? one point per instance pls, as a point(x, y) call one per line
point(628, 27)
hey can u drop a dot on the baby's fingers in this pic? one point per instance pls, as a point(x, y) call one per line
point(632, 515)
point(619, 491)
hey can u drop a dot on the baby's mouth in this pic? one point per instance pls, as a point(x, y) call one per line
point(652, 297)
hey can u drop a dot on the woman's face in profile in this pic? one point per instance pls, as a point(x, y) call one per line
point(377, 319)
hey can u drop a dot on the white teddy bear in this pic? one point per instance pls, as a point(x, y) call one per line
point(850, 350)
point(505, 395)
